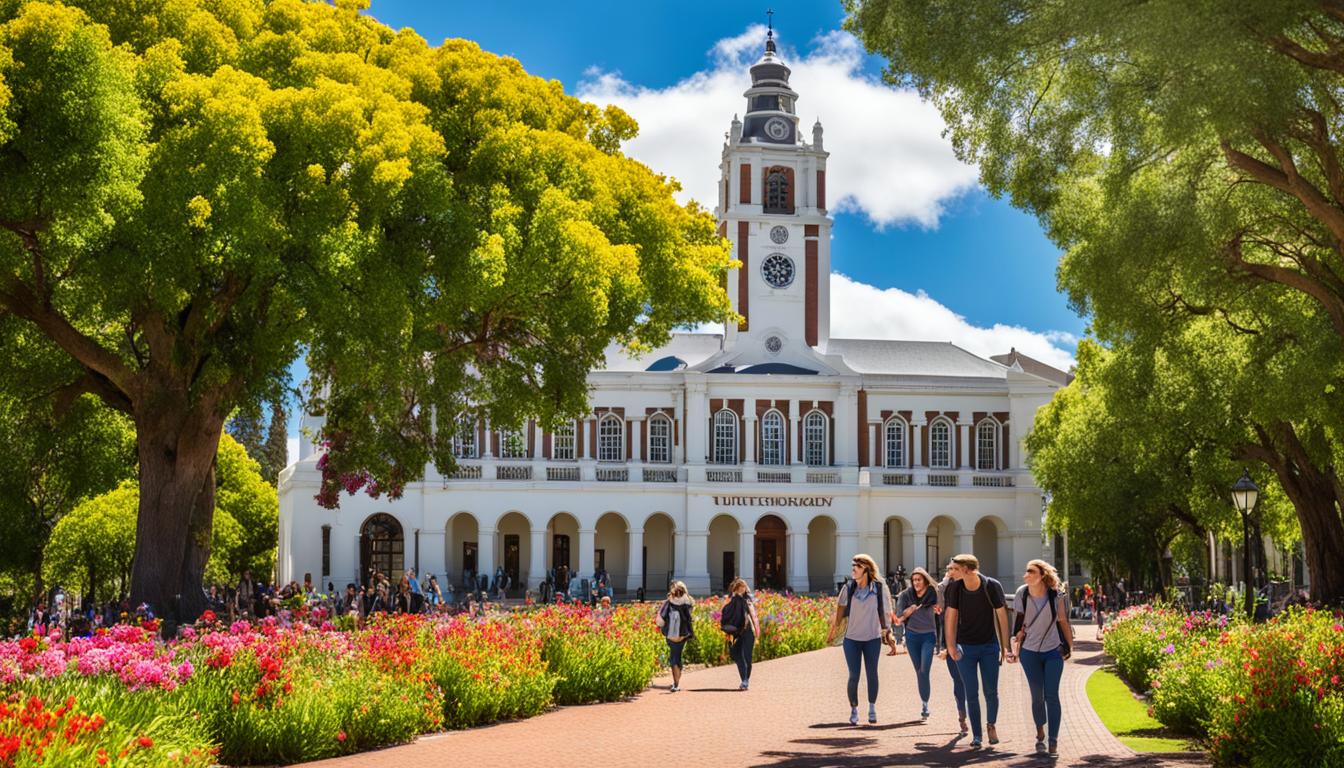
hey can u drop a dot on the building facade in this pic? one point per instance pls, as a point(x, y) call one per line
point(771, 451)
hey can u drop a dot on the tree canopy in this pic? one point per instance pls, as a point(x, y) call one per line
point(197, 190)
point(1186, 158)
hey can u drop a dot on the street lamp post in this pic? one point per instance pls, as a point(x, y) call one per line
point(1244, 495)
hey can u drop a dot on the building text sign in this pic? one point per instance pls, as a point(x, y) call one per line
point(773, 501)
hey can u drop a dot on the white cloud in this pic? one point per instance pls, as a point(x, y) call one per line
point(888, 160)
point(862, 311)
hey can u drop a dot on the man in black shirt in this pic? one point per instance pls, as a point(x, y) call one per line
point(976, 626)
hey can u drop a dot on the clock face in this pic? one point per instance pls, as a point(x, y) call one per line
point(779, 234)
point(777, 269)
point(777, 128)
point(773, 345)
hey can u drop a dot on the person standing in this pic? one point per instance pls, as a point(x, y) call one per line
point(1037, 633)
point(674, 619)
point(865, 600)
point(958, 690)
point(976, 622)
point(743, 642)
point(916, 610)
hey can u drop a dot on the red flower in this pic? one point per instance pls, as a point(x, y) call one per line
point(234, 699)
point(102, 757)
point(145, 742)
point(340, 736)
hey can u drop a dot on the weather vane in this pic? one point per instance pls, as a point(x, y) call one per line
point(770, 20)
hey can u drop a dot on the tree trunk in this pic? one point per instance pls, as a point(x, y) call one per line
point(172, 534)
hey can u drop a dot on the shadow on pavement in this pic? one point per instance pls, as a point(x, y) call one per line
point(924, 754)
point(862, 726)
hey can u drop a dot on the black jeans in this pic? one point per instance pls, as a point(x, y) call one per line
point(740, 651)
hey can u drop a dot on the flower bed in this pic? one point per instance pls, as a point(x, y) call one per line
point(281, 692)
point(1267, 693)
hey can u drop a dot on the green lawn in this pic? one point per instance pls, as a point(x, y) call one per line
point(1127, 716)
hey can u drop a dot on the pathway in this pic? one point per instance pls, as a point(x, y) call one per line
point(794, 716)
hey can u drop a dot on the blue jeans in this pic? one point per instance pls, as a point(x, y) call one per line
point(921, 645)
point(869, 650)
point(740, 651)
point(1043, 673)
point(985, 658)
point(958, 690)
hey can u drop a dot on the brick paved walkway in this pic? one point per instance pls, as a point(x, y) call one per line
point(795, 715)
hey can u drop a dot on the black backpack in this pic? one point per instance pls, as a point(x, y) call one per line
point(734, 615)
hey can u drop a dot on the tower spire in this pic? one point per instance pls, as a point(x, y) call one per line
point(770, 30)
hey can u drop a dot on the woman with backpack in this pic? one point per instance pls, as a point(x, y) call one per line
point(1043, 638)
point(738, 621)
point(674, 619)
point(916, 611)
point(864, 604)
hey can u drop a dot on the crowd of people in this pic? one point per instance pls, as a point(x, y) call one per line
point(965, 619)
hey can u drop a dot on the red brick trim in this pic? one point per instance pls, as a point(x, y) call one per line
point(743, 274)
point(810, 299)
point(865, 432)
point(821, 190)
point(744, 184)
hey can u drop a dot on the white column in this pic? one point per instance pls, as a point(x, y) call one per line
point(798, 578)
point(746, 556)
point(749, 434)
point(876, 449)
point(587, 556)
point(965, 543)
point(692, 556)
point(432, 553)
point(582, 450)
point(697, 418)
point(964, 443)
point(635, 572)
point(536, 559)
point(917, 447)
point(636, 440)
point(795, 417)
point(487, 450)
point(485, 552)
point(846, 547)
point(920, 553)
point(846, 441)
point(536, 440)
point(678, 419)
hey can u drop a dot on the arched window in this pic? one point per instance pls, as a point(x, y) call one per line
point(894, 442)
point(986, 445)
point(611, 438)
point(464, 437)
point(660, 439)
point(778, 192)
point(725, 437)
point(512, 444)
point(814, 439)
point(772, 438)
point(382, 547)
point(940, 444)
point(562, 442)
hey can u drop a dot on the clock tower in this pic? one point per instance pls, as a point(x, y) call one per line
point(772, 207)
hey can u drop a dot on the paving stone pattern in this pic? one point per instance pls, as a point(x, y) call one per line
point(794, 716)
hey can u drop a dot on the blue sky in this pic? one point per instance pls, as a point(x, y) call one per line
point(917, 235)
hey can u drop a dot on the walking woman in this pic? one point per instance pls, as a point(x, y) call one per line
point(1039, 627)
point(744, 642)
point(864, 599)
point(916, 610)
point(976, 622)
point(958, 690)
point(674, 619)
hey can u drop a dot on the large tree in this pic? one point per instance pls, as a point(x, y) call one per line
point(1186, 157)
point(196, 190)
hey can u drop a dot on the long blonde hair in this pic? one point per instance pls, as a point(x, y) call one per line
point(869, 567)
point(1048, 573)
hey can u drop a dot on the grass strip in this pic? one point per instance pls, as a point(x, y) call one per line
point(1126, 716)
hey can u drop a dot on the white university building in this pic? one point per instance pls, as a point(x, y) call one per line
point(772, 451)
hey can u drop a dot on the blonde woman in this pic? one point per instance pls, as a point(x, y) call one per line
point(744, 640)
point(674, 619)
point(866, 601)
point(1042, 619)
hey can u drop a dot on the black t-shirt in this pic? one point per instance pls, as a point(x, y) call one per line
point(975, 617)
